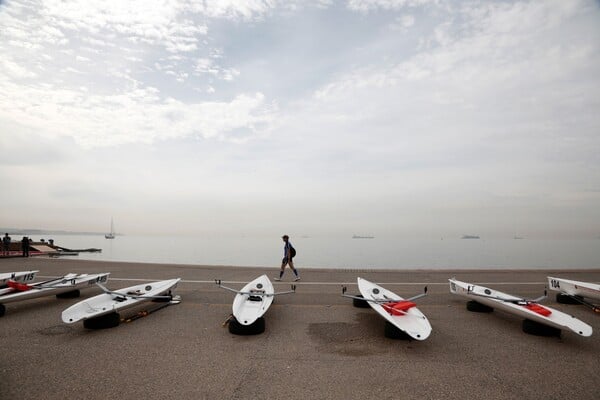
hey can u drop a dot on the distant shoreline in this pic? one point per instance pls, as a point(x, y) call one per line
point(29, 232)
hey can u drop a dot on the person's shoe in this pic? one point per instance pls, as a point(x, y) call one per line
point(277, 279)
point(297, 279)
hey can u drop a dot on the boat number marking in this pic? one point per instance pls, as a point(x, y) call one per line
point(554, 283)
point(101, 278)
point(28, 277)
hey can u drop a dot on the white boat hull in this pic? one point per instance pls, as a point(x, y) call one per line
point(556, 319)
point(107, 303)
point(414, 323)
point(19, 276)
point(575, 288)
point(248, 308)
point(52, 287)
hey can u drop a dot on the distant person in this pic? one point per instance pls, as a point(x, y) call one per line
point(288, 253)
point(25, 246)
point(6, 242)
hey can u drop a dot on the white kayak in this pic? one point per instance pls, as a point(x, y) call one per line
point(401, 313)
point(528, 309)
point(253, 301)
point(575, 288)
point(118, 300)
point(68, 283)
point(19, 276)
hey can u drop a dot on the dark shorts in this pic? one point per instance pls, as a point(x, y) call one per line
point(285, 260)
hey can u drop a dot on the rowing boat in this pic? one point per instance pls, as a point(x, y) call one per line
point(112, 302)
point(531, 310)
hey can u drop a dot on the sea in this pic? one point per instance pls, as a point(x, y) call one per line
point(341, 252)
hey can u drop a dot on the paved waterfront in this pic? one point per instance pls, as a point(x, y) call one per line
point(316, 345)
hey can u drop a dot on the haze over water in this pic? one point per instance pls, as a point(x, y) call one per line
point(343, 252)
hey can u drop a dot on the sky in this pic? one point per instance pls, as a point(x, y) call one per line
point(384, 117)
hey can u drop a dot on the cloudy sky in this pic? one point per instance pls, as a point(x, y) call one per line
point(416, 117)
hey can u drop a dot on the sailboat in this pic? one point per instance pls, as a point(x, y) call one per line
point(111, 235)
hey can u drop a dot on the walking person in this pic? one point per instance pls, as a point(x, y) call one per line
point(288, 253)
point(6, 242)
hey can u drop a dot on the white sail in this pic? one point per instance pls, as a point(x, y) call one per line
point(111, 235)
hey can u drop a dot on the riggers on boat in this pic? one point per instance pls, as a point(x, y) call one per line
point(67, 286)
point(102, 311)
point(19, 276)
point(575, 292)
point(250, 304)
point(539, 320)
point(403, 319)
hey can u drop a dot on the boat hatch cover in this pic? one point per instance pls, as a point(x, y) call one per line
point(398, 307)
point(538, 309)
point(20, 287)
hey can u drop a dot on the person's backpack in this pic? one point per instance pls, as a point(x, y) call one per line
point(292, 252)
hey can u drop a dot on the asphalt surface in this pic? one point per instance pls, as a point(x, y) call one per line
point(316, 344)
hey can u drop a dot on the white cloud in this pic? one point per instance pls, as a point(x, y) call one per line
point(371, 5)
point(138, 115)
point(204, 65)
point(480, 94)
point(406, 21)
point(96, 42)
point(484, 55)
point(72, 70)
point(170, 25)
point(236, 9)
point(15, 70)
point(208, 66)
point(158, 23)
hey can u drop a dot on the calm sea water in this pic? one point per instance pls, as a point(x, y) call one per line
point(343, 252)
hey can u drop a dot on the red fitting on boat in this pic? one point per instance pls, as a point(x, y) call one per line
point(538, 309)
point(398, 307)
point(18, 286)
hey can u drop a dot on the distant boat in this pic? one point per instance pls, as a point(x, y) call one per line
point(470, 237)
point(363, 237)
point(111, 235)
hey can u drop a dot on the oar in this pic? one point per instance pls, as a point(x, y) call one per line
point(293, 287)
point(594, 307)
point(133, 296)
point(218, 283)
point(46, 284)
point(471, 292)
point(386, 299)
point(145, 313)
point(380, 302)
point(419, 295)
